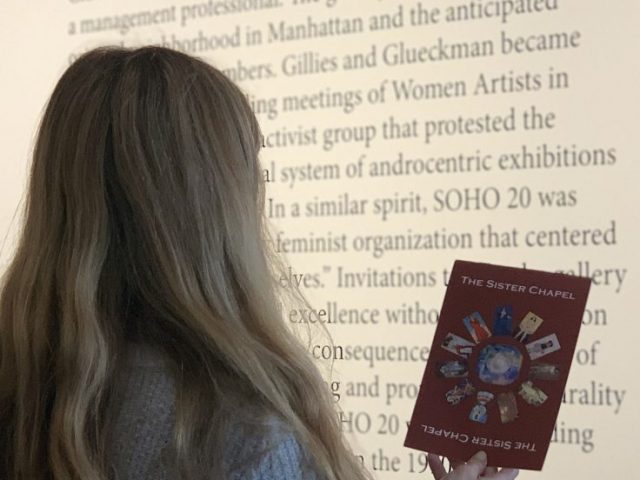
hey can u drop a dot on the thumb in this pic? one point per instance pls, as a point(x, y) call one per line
point(476, 464)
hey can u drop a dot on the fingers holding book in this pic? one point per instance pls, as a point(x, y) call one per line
point(474, 469)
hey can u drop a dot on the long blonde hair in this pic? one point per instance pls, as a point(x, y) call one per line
point(144, 219)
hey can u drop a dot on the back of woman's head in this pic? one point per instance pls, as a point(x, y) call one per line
point(144, 221)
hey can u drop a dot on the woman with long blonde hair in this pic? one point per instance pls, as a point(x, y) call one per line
point(141, 316)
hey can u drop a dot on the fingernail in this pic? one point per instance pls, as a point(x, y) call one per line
point(482, 456)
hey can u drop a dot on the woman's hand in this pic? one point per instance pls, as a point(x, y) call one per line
point(475, 469)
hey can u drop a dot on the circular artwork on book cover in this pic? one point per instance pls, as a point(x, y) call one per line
point(500, 364)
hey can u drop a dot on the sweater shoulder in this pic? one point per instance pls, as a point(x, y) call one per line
point(276, 454)
point(141, 414)
point(142, 423)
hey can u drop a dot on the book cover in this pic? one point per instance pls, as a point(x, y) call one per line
point(498, 364)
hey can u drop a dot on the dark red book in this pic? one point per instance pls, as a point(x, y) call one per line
point(498, 364)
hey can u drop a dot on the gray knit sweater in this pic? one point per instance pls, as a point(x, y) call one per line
point(143, 423)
